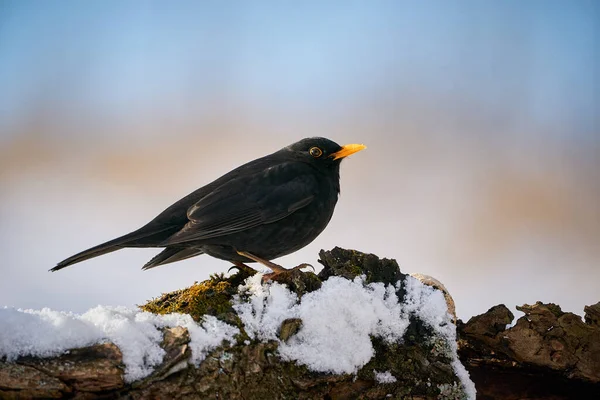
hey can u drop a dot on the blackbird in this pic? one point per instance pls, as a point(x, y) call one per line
point(260, 211)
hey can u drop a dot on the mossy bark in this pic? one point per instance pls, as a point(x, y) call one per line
point(250, 369)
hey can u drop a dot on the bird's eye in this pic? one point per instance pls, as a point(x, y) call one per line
point(315, 152)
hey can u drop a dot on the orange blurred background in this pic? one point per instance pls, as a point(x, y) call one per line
point(481, 121)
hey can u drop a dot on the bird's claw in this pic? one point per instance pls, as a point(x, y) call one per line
point(233, 267)
point(241, 267)
point(304, 265)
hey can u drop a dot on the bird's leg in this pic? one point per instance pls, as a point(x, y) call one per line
point(242, 267)
point(274, 267)
point(277, 269)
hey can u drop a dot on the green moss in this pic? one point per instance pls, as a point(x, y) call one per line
point(355, 269)
point(212, 296)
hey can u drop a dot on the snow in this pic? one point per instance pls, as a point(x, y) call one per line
point(268, 306)
point(46, 333)
point(384, 377)
point(339, 320)
point(338, 323)
point(42, 333)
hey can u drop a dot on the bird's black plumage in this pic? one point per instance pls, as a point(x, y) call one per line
point(268, 207)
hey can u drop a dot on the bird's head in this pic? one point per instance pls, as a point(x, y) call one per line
point(322, 152)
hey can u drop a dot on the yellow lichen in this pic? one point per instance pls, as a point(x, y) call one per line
point(211, 296)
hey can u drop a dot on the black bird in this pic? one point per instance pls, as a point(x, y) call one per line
point(260, 211)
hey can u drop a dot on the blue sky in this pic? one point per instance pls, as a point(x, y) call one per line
point(115, 58)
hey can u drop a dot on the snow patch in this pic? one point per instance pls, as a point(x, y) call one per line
point(339, 320)
point(46, 333)
point(266, 307)
point(384, 377)
point(337, 324)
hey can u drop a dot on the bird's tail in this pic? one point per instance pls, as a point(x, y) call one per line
point(172, 254)
point(139, 238)
point(95, 251)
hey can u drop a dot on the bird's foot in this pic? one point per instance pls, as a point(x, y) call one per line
point(282, 271)
point(276, 268)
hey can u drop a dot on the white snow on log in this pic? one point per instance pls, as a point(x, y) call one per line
point(338, 322)
point(47, 333)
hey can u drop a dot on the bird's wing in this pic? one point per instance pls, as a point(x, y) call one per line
point(249, 201)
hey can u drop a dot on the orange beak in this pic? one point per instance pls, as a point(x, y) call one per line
point(347, 150)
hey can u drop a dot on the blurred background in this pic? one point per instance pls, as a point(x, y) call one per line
point(481, 120)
